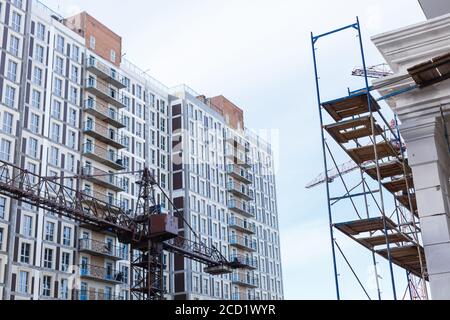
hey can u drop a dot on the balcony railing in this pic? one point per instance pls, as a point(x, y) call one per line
point(243, 243)
point(238, 142)
point(105, 179)
point(245, 280)
point(102, 274)
point(103, 112)
point(94, 295)
point(242, 225)
point(105, 72)
point(240, 190)
point(102, 249)
point(104, 134)
point(105, 91)
point(241, 208)
point(243, 296)
point(241, 261)
point(239, 173)
point(107, 157)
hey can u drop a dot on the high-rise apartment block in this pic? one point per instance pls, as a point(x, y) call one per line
point(73, 109)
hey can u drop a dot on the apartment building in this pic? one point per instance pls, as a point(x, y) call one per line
point(73, 109)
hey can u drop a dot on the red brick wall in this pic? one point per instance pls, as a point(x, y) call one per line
point(232, 113)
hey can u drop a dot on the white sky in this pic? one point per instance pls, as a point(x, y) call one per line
point(258, 54)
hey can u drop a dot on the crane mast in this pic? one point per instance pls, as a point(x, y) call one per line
point(148, 232)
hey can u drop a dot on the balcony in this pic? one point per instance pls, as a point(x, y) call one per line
point(238, 143)
point(105, 179)
point(103, 112)
point(243, 243)
point(239, 173)
point(101, 249)
point(97, 273)
point(242, 225)
point(240, 190)
point(104, 134)
point(242, 208)
point(104, 91)
point(102, 71)
point(243, 296)
point(94, 295)
point(245, 280)
point(107, 157)
point(243, 262)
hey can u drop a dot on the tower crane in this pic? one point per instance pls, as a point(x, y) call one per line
point(146, 229)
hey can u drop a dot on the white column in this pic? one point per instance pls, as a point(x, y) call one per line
point(429, 158)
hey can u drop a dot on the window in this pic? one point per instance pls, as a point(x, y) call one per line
point(49, 231)
point(2, 207)
point(64, 291)
point(5, 150)
point(70, 165)
point(139, 149)
point(92, 42)
point(36, 99)
point(73, 95)
point(58, 87)
point(7, 125)
point(39, 53)
point(113, 56)
point(27, 226)
point(23, 282)
point(139, 91)
point(12, 71)
point(54, 156)
point(40, 31)
point(48, 258)
point(34, 123)
point(60, 44)
point(65, 261)
point(1, 239)
point(14, 45)
point(25, 252)
point(16, 21)
point(74, 74)
point(55, 132)
point(67, 236)
point(59, 65)
point(75, 53)
point(72, 117)
point(17, 3)
point(46, 286)
point(33, 147)
point(37, 76)
point(10, 96)
point(56, 109)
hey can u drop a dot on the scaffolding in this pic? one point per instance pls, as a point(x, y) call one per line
point(380, 204)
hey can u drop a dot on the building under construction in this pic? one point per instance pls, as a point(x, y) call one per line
point(392, 198)
point(114, 186)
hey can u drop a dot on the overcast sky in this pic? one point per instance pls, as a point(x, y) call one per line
point(258, 54)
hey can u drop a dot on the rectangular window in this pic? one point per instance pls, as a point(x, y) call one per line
point(1, 239)
point(56, 128)
point(2, 207)
point(18, 3)
point(64, 291)
point(56, 109)
point(39, 53)
point(12, 71)
point(40, 31)
point(16, 21)
point(75, 53)
point(23, 282)
point(54, 156)
point(7, 125)
point(25, 252)
point(48, 258)
point(10, 96)
point(5, 150)
point(36, 99)
point(92, 42)
point(34, 123)
point(67, 236)
point(14, 45)
point(60, 44)
point(49, 231)
point(46, 286)
point(58, 87)
point(59, 65)
point(27, 227)
point(74, 74)
point(73, 95)
point(70, 163)
point(73, 117)
point(33, 147)
point(113, 56)
point(37, 76)
point(65, 261)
